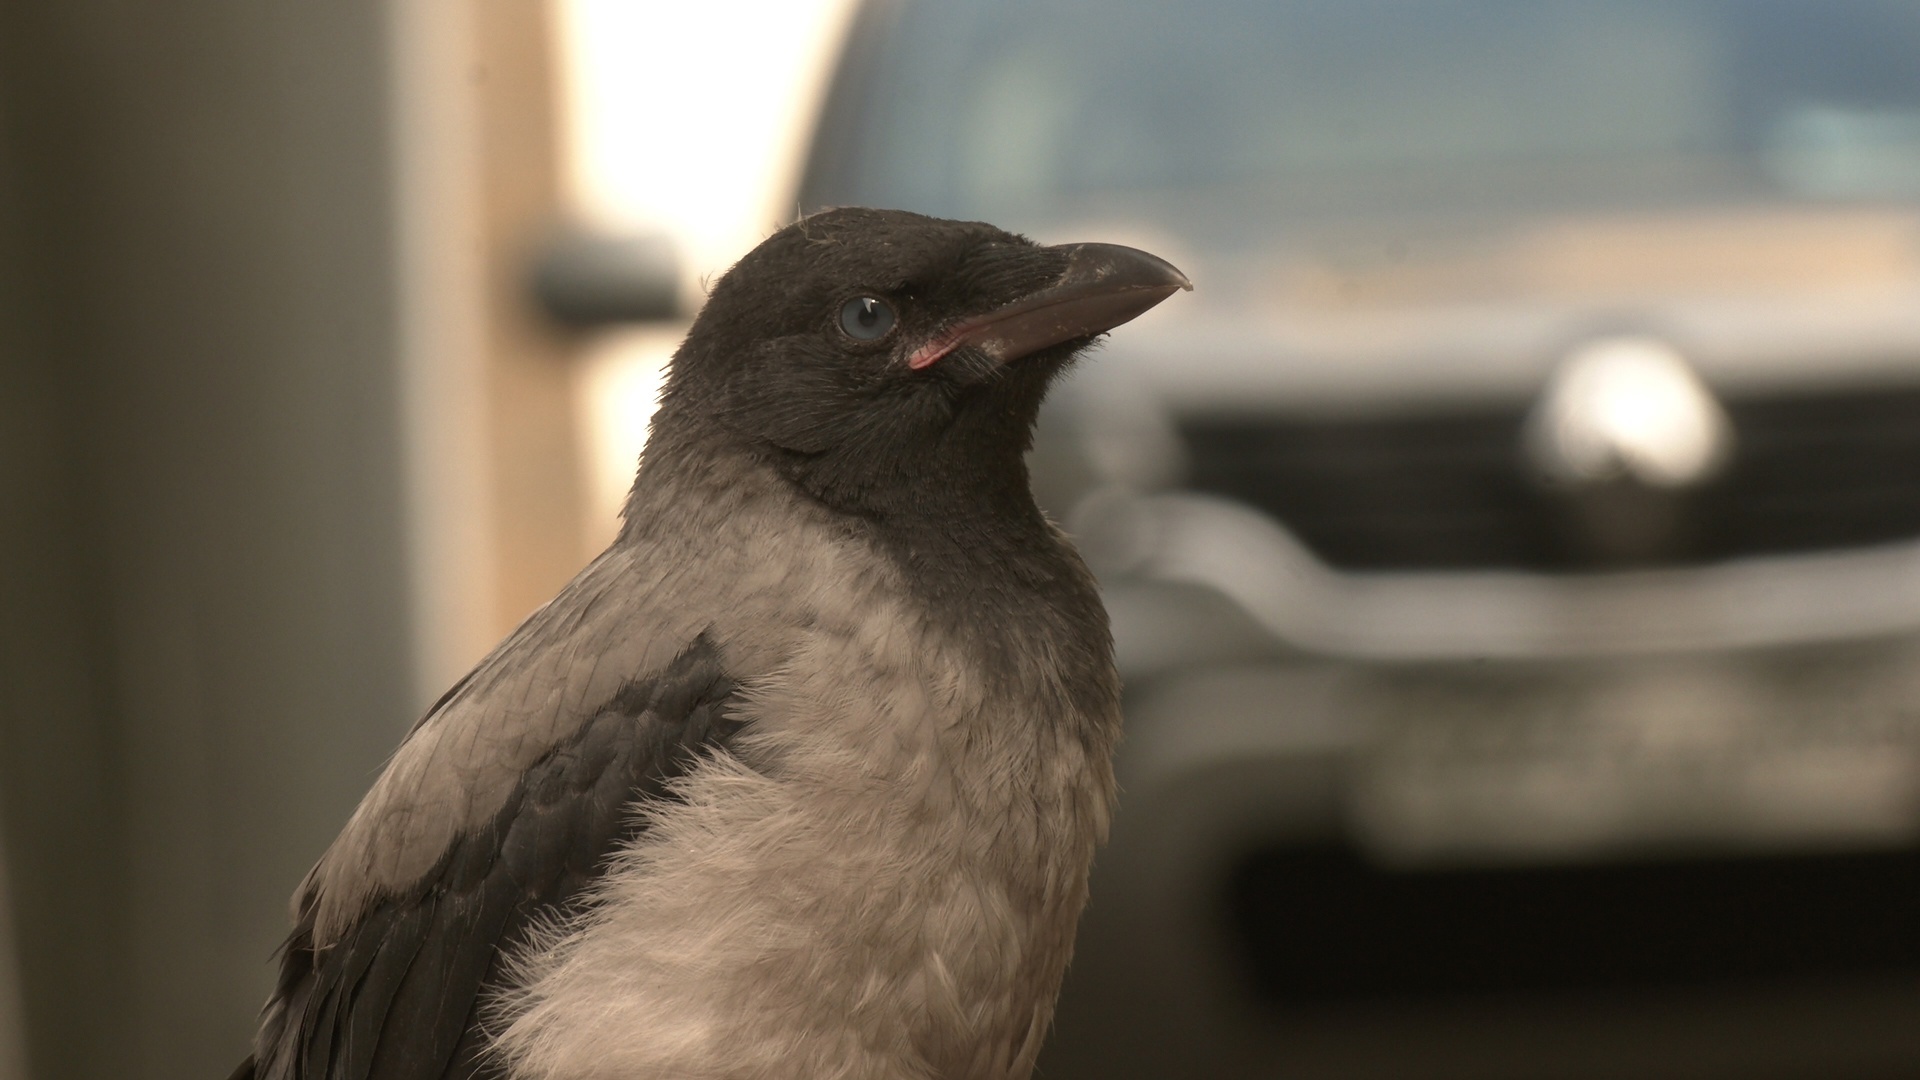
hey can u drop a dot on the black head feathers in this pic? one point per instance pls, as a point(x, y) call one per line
point(871, 353)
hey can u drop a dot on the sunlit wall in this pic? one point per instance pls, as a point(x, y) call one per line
point(689, 118)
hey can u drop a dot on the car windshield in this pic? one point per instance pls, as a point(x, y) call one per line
point(1247, 112)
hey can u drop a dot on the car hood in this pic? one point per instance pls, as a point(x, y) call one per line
point(1368, 316)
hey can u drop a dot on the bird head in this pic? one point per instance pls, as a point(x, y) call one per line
point(876, 355)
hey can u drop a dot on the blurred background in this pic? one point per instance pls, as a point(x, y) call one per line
point(1513, 545)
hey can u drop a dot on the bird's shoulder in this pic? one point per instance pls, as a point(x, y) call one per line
point(398, 987)
point(709, 563)
point(505, 801)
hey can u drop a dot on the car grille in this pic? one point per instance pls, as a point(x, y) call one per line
point(1452, 490)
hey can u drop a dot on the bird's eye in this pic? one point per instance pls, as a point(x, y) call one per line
point(866, 318)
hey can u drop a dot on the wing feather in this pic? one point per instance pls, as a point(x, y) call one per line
point(400, 995)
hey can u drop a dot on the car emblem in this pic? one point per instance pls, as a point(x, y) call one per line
point(1627, 408)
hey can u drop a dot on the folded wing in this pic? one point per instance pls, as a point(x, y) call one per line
point(400, 994)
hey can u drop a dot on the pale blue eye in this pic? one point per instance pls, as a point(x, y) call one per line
point(866, 318)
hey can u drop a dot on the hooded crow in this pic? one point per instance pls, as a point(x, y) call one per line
point(803, 776)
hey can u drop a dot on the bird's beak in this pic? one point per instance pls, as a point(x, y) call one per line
point(1104, 285)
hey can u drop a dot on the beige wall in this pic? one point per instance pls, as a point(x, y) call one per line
point(204, 634)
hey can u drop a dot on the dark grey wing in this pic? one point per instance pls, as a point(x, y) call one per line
point(399, 996)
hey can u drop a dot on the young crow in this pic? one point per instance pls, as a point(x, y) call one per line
point(801, 777)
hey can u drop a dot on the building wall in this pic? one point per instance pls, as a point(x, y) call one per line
point(204, 631)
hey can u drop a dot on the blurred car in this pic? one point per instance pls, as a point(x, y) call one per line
point(1513, 545)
